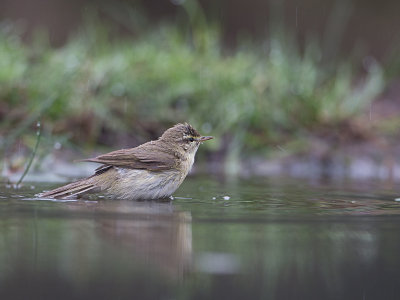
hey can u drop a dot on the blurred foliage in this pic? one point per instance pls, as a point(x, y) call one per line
point(102, 82)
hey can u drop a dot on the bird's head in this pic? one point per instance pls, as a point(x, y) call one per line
point(184, 136)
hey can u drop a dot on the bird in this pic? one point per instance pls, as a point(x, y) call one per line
point(153, 170)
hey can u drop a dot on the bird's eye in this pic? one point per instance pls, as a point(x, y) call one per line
point(191, 139)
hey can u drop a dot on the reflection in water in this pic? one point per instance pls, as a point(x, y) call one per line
point(113, 247)
point(267, 241)
point(152, 233)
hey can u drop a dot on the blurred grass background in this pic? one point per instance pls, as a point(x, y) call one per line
point(105, 88)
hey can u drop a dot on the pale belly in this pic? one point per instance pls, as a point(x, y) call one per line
point(143, 184)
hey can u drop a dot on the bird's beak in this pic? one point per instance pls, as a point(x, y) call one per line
point(205, 138)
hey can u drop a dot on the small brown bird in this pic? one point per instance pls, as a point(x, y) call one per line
point(152, 170)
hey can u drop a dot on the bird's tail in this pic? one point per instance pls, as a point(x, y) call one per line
point(70, 190)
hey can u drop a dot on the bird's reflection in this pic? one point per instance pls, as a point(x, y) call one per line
point(151, 234)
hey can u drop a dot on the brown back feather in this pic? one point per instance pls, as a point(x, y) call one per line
point(151, 156)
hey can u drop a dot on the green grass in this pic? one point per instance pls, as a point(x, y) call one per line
point(254, 97)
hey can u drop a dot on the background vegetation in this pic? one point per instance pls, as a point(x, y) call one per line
point(103, 89)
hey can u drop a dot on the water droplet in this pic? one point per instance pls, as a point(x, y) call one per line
point(57, 145)
point(280, 148)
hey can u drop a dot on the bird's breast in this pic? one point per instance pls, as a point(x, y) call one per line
point(143, 184)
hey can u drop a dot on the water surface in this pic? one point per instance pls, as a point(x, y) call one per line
point(241, 239)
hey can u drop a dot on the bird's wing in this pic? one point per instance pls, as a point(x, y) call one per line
point(147, 156)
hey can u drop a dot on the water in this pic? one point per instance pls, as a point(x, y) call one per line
point(254, 239)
